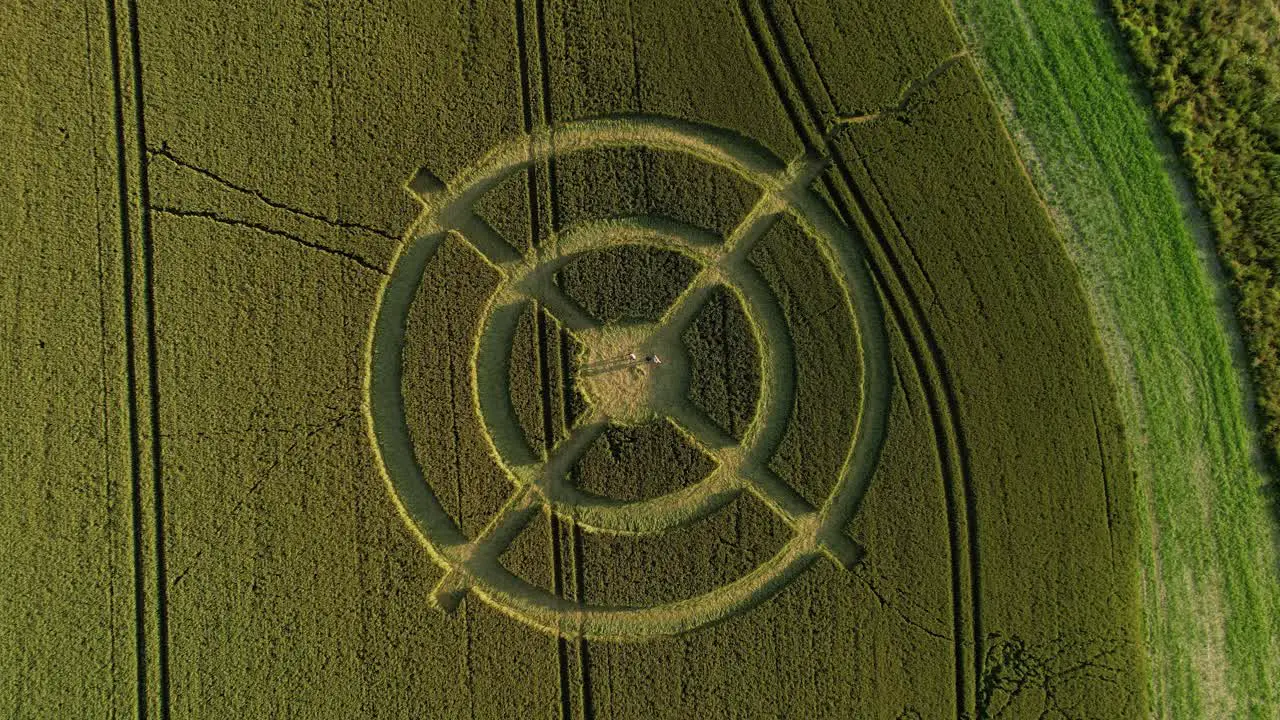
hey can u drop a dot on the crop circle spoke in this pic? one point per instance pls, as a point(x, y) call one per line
point(566, 311)
point(472, 559)
point(551, 476)
point(748, 471)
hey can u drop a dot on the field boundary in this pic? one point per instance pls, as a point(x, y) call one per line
point(1072, 92)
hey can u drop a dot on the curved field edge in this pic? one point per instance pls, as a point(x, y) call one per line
point(1208, 582)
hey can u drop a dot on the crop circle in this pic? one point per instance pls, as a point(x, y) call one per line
point(471, 563)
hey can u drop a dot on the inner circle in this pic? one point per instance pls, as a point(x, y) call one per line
point(632, 392)
point(622, 375)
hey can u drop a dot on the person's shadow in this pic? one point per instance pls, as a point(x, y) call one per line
point(608, 365)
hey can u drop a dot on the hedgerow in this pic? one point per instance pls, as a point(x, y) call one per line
point(1214, 71)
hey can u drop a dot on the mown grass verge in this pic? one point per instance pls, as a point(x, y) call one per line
point(1207, 564)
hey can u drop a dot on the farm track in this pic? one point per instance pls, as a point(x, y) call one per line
point(140, 645)
point(541, 179)
point(109, 500)
point(769, 40)
point(552, 221)
point(137, 245)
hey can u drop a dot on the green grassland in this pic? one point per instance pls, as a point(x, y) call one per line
point(199, 514)
point(1209, 567)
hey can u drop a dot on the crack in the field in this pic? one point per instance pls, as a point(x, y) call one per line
point(332, 423)
point(267, 229)
point(164, 152)
point(1106, 481)
point(1013, 666)
point(235, 432)
point(899, 373)
point(885, 602)
point(902, 104)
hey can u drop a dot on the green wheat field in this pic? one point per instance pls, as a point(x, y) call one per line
point(577, 360)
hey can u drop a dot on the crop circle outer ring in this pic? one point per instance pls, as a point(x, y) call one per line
point(388, 429)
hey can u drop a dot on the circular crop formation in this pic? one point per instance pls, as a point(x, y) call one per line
point(625, 381)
